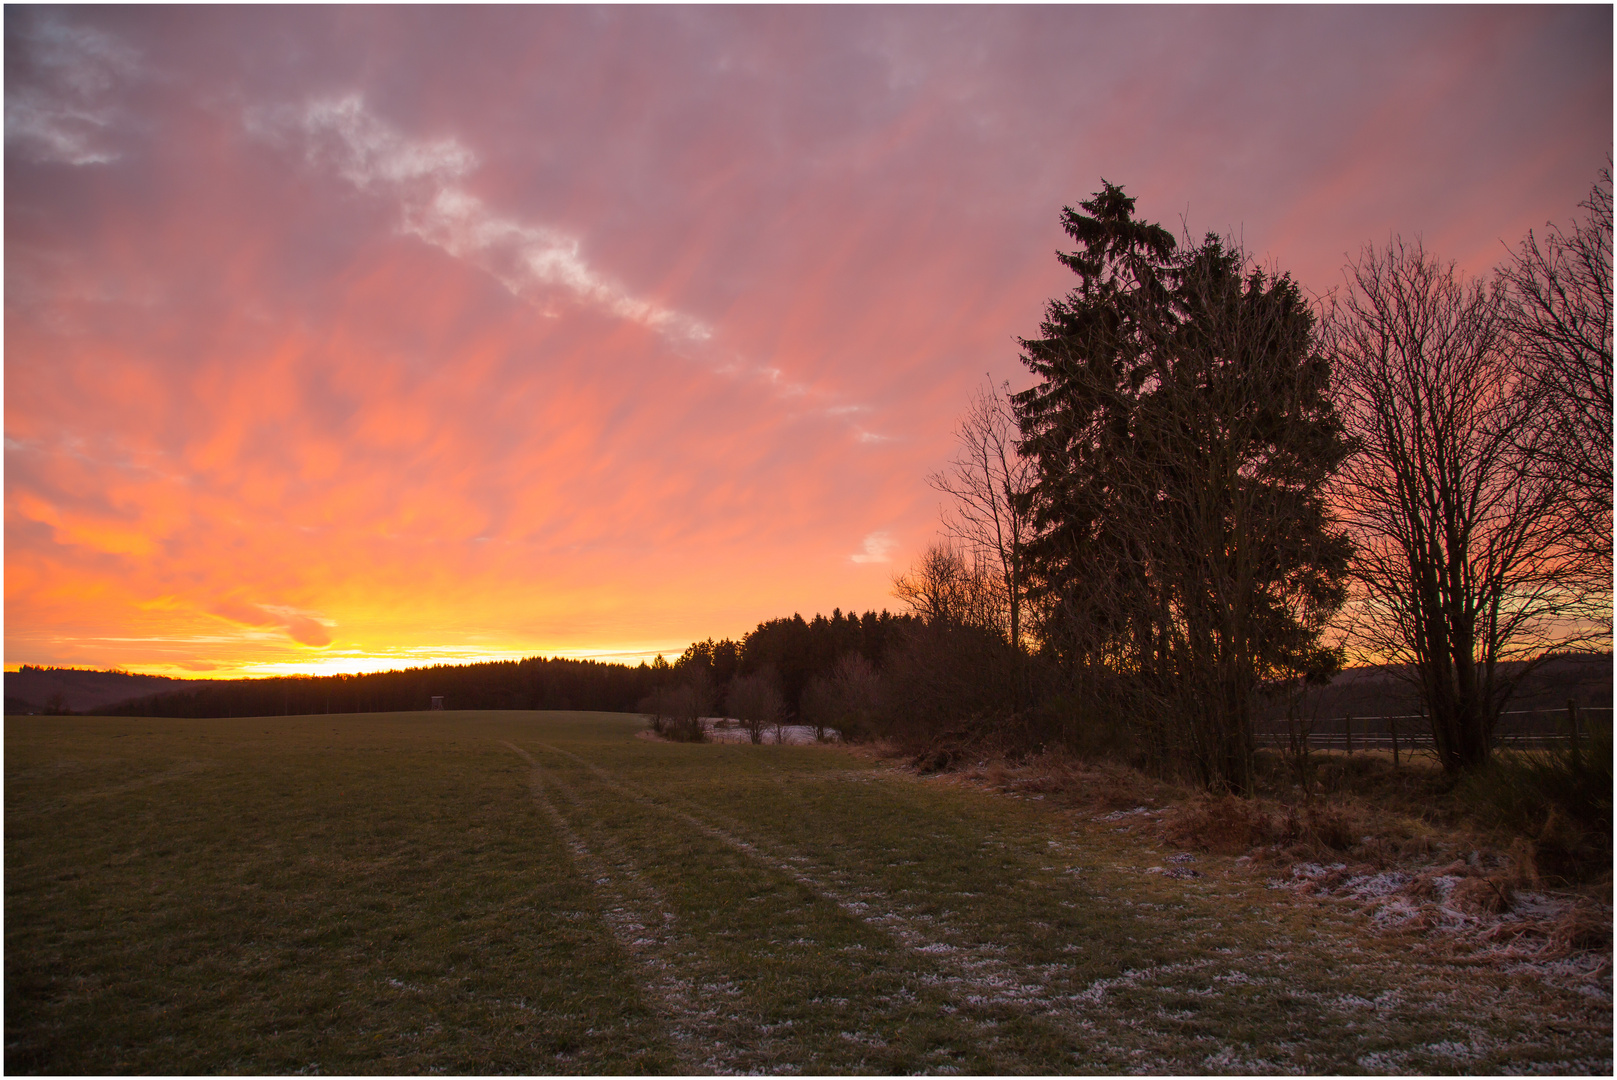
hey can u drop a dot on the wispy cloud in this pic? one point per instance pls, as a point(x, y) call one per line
point(62, 107)
point(878, 549)
point(534, 261)
point(424, 176)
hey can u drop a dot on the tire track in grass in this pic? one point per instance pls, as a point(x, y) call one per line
point(645, 928)
point(1029, 985)
point(973, 976)
point(1035, 989)
point(924, 964)
point(739, 1022)
point(1145, 1017)
point(737, 1025)
point(976, 976)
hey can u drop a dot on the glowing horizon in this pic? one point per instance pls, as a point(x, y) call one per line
point(350, 664)
point(370, 336)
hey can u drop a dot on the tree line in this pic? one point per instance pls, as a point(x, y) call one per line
point(821, 672)
point(533, 683)
point(798, 657)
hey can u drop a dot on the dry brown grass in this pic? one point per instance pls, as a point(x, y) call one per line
point(1351, 828)
point(1070, 781)
point(1227, 825)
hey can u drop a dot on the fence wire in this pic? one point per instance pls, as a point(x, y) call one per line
point(1526, 729)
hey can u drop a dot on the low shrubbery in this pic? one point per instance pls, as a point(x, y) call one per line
point(1229, 825)
point(1535, 819)
point(1559, 800)
point(680, 729)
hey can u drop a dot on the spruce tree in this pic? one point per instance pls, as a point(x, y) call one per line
point(1184, 433)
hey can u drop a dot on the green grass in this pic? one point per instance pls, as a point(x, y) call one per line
point(545, 892)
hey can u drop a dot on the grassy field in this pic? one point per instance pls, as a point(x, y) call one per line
point(547, 892)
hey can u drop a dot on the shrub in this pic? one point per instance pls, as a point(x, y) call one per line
point(756, 699)
point(848, 700)
point(1559, 799)
point(1231, 825)
point(685, 729)
point(942, 678)
point(675, 713)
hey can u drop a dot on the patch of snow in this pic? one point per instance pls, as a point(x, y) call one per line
point(1444, 885)
point(1119, 815)
point(728, 731)
point(1370, 886)
point(1397, 911)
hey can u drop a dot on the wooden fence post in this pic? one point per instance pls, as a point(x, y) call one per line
point(1572, 722)
point(1392, 723)
point(1348, 726)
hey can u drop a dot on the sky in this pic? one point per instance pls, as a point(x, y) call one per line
point(340, 339)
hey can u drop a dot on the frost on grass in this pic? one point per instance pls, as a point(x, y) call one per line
point(1228, 1061)
point(1120, 815)
point(977, 971)
point(1458, 906)
point(644, 926)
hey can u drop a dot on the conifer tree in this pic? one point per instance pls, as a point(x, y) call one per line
point(1183, 432)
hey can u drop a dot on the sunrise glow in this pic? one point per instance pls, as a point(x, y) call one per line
point(339, 340)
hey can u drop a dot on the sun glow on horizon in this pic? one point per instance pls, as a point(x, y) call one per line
point(363, 664)
point(355, 662)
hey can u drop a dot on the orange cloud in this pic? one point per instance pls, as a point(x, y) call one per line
point(299, 627)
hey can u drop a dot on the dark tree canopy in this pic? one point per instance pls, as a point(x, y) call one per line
point(1183, 432)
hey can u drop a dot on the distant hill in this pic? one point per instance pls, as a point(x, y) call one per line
point(1385, 691)
point(33, 690)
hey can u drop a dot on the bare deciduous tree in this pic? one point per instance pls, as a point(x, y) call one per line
point(818, 706)
point(1461, 550)
point(1560, 315)
point(847, 699)
point(988, 482)
point(953, 669)
point(948, 585)
point(676, 711)
point(756, 700)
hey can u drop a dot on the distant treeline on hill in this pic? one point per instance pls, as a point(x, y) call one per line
point(535, 683)
point(794, 649)
point(34, 689)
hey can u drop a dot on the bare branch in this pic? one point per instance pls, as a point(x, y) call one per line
point(988, 482)
point(1463, 561)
